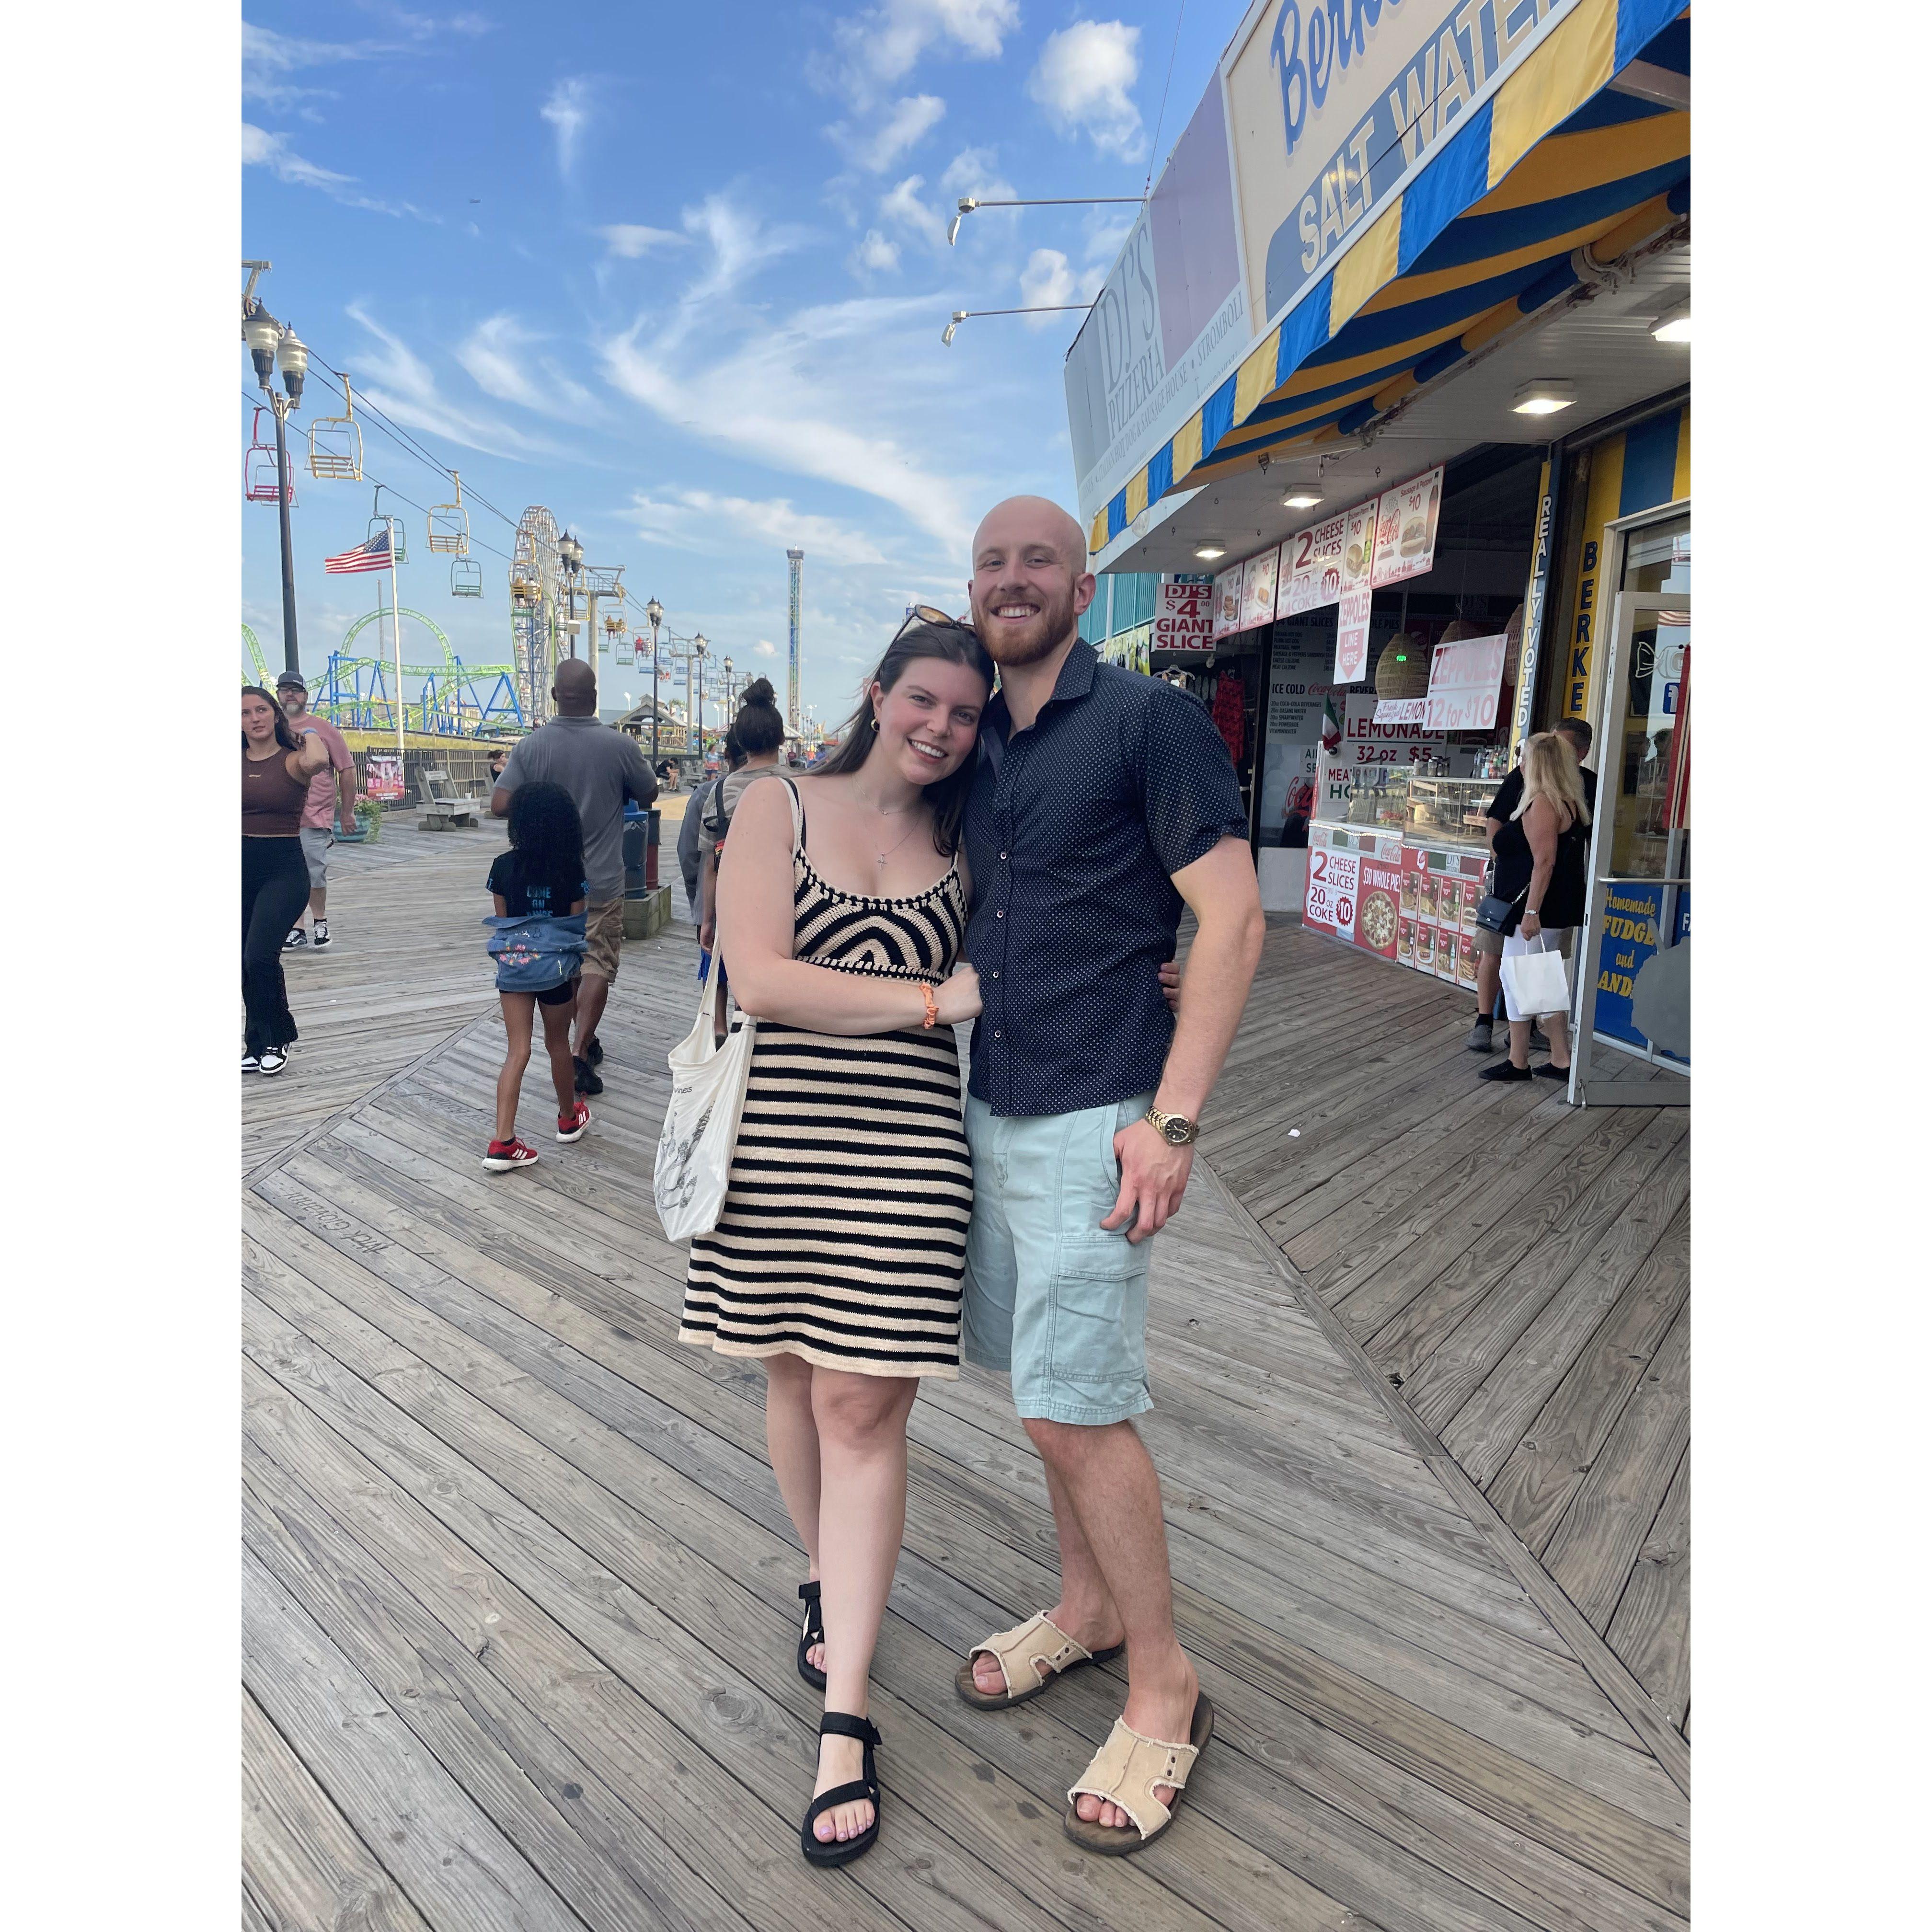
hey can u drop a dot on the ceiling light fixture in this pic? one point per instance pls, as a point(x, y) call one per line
point(1543, 398)
point(1302, 496)
point(1207, 552)
point(1675, 326)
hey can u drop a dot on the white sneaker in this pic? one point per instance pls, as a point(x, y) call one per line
point(249, 1063)
point(318, 936)
point(273, 1061)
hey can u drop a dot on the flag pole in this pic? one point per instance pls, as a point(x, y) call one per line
point(396, 617)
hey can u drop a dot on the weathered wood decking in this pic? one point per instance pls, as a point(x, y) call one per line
point(519, 1610)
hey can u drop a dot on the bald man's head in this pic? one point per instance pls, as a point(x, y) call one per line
point(574, 688)
point(1030, 580)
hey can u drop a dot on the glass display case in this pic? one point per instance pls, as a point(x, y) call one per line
point(1447, 812)
point(1373, 795)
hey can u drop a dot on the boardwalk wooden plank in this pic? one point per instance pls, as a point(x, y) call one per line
point(1461, 1762)
point(1596, 1544)
point(1651, 1631)
point(1004, 1830)
point(1545, 1470)
point(1486, 1428)
point(463, 1875)
point(303, 1866)
point(1349, 1770)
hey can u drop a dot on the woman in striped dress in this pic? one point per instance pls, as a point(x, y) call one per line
point(837, 1260)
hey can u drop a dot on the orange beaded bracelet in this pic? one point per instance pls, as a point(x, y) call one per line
point(932, 1005)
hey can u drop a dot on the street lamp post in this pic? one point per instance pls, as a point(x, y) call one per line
point(654, 615)
point(273, 345)
point(570, 554)
point(699, 650)
point(730, 694)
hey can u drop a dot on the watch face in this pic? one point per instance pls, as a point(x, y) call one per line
point(1178, 1131)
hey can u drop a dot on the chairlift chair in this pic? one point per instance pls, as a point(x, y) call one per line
point(394, 525)
point(259, 480)
point(449, 524)
point(335, 444)
point(466, 578)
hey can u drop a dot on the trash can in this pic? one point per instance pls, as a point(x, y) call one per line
point(637, 833)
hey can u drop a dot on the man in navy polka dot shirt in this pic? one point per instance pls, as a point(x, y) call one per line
point(1103, 802)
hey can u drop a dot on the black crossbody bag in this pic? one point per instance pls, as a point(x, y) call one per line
point(1492, 913)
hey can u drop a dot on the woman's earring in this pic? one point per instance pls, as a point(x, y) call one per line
point(875, 720)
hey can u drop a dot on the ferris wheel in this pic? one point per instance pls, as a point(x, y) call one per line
point(534, 565)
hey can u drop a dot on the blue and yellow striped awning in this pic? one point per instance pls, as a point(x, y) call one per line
point(1482, 237)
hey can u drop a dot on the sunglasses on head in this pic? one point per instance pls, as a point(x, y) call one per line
point(924, 613)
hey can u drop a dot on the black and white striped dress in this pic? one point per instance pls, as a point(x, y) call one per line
point(843, 1236)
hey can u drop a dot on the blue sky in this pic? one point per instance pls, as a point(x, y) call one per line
point(680, 274)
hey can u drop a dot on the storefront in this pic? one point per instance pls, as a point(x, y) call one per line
point(1334, 367)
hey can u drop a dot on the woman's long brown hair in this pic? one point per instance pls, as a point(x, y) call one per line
point(284, 736)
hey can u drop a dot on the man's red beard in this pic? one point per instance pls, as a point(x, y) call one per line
point(1025, 643)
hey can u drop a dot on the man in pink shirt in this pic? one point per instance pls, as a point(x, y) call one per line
point(331, 797)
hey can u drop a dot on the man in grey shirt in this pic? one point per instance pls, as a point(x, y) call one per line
point(600, 767)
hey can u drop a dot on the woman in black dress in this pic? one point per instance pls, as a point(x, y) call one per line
point(1541, 858)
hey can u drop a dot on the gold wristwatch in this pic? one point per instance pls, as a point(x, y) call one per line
point(1176, 1130)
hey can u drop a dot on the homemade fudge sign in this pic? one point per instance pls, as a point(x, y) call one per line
point(1465, 682)
point(1357, 595)
point(1405, 520)
point(1183, 617)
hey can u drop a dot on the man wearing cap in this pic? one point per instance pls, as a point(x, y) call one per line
point(331, 797)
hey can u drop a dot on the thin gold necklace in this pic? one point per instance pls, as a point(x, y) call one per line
point(884, 856)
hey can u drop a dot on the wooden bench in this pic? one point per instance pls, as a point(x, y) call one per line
point(442, 808)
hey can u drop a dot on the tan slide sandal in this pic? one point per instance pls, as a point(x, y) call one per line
point(1124, 1772)
point(1029, 1658)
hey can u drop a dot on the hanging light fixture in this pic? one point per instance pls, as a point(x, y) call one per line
point(1302, 496)
point(1544, 396)
point(1207, 552)
point(1674, 325)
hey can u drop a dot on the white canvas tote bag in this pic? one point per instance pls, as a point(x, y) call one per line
point(707, 1096)
point(700, 1124)
point(1537, 982)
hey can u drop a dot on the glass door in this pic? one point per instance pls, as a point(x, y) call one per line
point(1634, 1022)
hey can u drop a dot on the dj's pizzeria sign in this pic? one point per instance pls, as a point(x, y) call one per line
point(1183, 617)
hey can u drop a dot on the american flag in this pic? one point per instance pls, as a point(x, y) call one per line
point(373, 555)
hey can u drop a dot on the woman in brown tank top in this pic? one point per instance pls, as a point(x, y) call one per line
point(275, 772)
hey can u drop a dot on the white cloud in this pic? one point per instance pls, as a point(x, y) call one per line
point(876, 149)
point(882, 45)
point(267, 56)
point(493, 354)
point(260, 148)
point(874, 256)
point(702, 520)
point(1082, 80)
point(632, 240)
point(764, 648)
point(568, 110)
point(401, 385)
point(903, 207)
point(971, 171)
point(1045, 278)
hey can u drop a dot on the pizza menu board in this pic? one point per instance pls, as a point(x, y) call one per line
point(1183, 617)
point(1311, 568)
point(1351, 629)
point(1259, 578)
point(1227, 602)
point(1355, 885)
point(1440, 889)
point(1405, 520)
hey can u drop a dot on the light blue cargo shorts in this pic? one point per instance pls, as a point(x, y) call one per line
point(1052, 1298)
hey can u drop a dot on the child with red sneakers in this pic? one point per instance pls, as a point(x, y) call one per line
point(540, 879)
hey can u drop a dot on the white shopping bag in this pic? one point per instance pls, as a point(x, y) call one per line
point(1537, 982)
point(700, 1124)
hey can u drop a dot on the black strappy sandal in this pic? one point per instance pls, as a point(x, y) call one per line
point(815, 1633)
point(839, 1724)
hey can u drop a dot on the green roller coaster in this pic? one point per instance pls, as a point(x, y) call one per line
point(452, 699)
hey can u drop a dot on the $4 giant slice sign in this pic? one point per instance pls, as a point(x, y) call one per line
point(1183, 617)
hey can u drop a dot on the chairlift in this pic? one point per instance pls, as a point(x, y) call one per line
point(335, 444)
point(466, 578)
point(262, 478)
point(449, 524)
point(614, 628)
point(523, 588)
point(378, 523)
